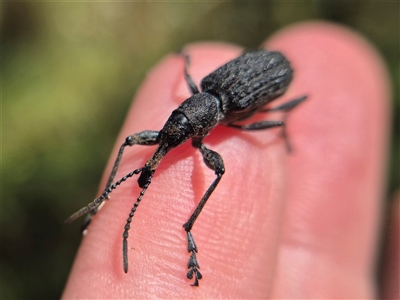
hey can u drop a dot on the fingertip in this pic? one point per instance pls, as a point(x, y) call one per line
point(347, 84)
point(334, 48)
point(342, 133)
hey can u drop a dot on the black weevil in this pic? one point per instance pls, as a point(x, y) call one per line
point(234, 92)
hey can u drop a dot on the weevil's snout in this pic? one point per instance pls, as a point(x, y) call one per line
point(145, 176)
point(176, 131)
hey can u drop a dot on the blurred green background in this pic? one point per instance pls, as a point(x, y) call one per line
point(69, 72)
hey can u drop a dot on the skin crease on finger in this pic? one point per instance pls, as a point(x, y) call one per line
point(238, 232)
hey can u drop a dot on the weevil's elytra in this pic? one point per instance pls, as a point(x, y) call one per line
point(234, 92)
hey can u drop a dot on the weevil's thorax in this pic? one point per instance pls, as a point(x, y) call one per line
point(203, 111)
point(248, 83)
point(195, 117)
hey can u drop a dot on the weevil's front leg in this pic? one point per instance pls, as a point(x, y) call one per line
point(214, 161)
point(98, 201)
point(145, 138)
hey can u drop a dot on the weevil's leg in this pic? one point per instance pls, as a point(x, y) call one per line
point(266, 125)
point(125, 235)
point(258, 125)
point(286, 107)
point(214, 161)
point(146, 138)
point(97, 202)
point(88, 218)
point(192, 86)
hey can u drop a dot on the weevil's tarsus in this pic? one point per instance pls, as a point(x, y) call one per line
point(85, 210)
point(94, 204)
point(197, 276)
point(193, 265)
point(88, 218)
point(191, 244)
point(145, 138)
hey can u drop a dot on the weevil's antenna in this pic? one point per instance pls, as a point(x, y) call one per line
point(125, 235)
point(96, 203)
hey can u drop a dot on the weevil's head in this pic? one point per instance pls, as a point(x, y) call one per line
point(175, 132)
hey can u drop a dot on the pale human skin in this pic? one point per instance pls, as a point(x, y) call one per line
point(304, 225)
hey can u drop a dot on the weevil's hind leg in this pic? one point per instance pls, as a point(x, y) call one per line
point(192, 86)
point(214, 161)
point(265, 125)
point(145, 138)
point(286, 108)
point(258, 125)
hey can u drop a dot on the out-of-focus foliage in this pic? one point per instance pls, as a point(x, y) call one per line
point(69, 72)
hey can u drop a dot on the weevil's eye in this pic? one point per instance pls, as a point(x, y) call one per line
point(175, 131)
point(144, 176)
